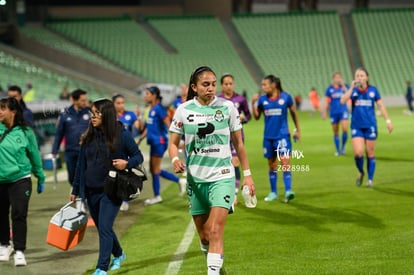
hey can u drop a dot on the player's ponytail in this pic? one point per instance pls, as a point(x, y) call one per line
point(275, 80)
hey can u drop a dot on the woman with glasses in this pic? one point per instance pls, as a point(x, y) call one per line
point(104, 139)
point(19, 158)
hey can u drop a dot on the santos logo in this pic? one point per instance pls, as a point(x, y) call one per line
point(206, 150)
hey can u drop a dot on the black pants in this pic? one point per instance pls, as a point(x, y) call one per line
point(17, 195)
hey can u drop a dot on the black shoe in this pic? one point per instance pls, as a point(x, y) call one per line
point(359, 179)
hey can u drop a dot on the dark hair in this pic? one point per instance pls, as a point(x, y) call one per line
point(13, 105)
point(116, 96)
point(193, 80)
point(76, 94)
point(224, 76)
point(15, 88)
point(111, 128)
point(274, 79)
point(155, 91)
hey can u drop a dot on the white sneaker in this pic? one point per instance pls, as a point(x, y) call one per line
point(249, 200)
point(5, 252)
point(154, 200)
point(19, 259)
point(183, 186)
point(124, 206)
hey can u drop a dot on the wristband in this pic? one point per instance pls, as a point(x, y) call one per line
point(174, 159)
point(388, 121)
point(247, 173)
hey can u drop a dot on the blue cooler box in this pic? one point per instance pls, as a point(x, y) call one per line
point(51, 163)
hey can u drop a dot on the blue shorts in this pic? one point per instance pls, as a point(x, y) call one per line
point(277, 147)
point(336, 118)
point(366, 133)
point(158, 150)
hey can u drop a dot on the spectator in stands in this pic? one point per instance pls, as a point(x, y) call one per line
point(275, 105)
point(64, 95)
point(409, 97)
point(157, 125)
point(240, 102)
point(338, 112)
point(19, 157)
point(364, 122)
point(205, 119)
point(16, 92)
point(30, 93)
point(104, 139)
point(71, 124)
point(129, 121)
point(314, 101)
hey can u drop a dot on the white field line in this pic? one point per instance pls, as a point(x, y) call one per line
point(178, 257)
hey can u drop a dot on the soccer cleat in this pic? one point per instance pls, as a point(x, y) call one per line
point(370, 184)
point(289, 196)
point(5, 252)
point(124, 206)
point(19, 259)
point(359, 179)
point(117, 261)
point(100, 272)
point(336, 154)
point(249, 200)
point(153, 200)
point(183, 186)
point(271, 197)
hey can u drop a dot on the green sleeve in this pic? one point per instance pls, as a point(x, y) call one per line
point(34, 156)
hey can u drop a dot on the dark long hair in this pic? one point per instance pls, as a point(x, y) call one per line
point(276, 80)
point(111, 128)
point(13, 105)
point(155, 91)
point(194, 78)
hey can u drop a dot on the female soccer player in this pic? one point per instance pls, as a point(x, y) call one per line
point(364, 123)
point(157, 125)
point(208, 123)
point(240, 102)
point(275, 104)
point(338, 112)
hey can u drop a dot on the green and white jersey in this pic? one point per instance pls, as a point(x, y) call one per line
point(207, 137)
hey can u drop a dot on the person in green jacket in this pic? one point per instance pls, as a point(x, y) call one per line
point(19, 158)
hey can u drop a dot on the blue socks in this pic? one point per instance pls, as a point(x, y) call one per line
point(336, 141)
point(273, 181)
point(359, 162)
point(156, 184)
point(344, 139)
point(169, 176)
point(371, 168)
point(287, 179)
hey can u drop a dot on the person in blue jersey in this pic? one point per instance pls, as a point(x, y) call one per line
point(71, 124)
point(240, 102)
point(364, 123)
point(338, 112)
point(275, 104)
point(208, 124)
point(130, 122)
point(157, 124)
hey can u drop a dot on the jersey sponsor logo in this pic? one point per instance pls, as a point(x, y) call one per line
point(190, 118)
point(219, 116)
point(204, 129)
point(363, 102)
point(227, 198)
point(206, 150)
point(273, 112)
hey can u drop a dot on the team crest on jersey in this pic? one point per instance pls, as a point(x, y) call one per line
point(281, 101)
point(237, 105)
point(371, 94)
point(219, 116)
point(153, 113)
point(127, 117)
point(85, 117)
